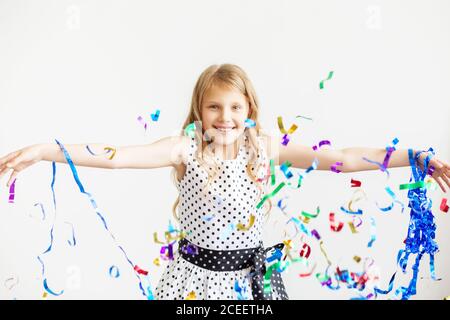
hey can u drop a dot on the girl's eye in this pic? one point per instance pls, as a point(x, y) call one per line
point(213, 107)
point(237, 107)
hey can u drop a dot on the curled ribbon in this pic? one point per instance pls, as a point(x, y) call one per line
point(333, 226)
point(283, 130)
point(12, 192)
point(242, 227)
point(330, 74)
point(334, 167)
point(190, 130)
point(155, 116)
point(444, 206)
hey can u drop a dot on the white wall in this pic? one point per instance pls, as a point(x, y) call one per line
point(82, 71)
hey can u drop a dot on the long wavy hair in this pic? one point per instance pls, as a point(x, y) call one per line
point(231, 76)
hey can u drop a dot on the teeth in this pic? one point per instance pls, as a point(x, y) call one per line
point(224, 129)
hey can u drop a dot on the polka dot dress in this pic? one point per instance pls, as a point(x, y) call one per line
point(210, 218)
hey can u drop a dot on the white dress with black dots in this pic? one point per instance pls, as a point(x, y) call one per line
point(208, 219)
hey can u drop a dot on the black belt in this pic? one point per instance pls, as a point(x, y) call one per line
point(233, 260)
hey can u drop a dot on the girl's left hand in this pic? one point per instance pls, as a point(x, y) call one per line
point(441, 172)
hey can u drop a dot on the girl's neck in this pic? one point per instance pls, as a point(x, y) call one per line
point(226, 152)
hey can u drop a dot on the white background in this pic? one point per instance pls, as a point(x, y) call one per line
point(83, 71)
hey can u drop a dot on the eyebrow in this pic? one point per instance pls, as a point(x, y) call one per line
point(214, 102)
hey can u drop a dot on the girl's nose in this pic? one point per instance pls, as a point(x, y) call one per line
point(226, 115)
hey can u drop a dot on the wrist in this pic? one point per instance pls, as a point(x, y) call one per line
point(46, 151)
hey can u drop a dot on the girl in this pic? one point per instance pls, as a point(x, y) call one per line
point(220, 170)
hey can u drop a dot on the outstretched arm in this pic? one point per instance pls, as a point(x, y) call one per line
point(352, 160)
point(165, 152)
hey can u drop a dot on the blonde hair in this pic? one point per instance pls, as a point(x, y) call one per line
point(230, 76)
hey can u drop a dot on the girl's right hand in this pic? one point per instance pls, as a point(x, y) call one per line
point(19, 160)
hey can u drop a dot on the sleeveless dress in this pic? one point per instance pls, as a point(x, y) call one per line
point(209, 219)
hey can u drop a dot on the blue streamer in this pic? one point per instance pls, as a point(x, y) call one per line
point(380, 165)
point(114, 272)
point(352, 212)
point(301, 225)
point(51, 291)
point(421, 230)
point(372, 232)
point(51, 236)
point(74, 241)
point(94, 205)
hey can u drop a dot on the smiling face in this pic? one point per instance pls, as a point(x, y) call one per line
point(224, 110)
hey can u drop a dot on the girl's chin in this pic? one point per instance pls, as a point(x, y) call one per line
point(225, 139)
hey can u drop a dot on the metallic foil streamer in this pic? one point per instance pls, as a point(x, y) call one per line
point(321, 84)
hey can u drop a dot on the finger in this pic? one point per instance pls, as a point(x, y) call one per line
point(3, 171)
point(12, 178)
point(439, 181)
point(14, 162)
point(5, 159)
point(446, 179)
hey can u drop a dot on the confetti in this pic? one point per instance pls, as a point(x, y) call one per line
point(416, 185)
point(140, 271)
point(74, 241)
point(11, 191)
point(191, 296)
point(333, 223)
point(357, 259)
point(302, 275)
point(241, 227)
point(355, 183)
point(231, 227)
point(321, 143)
point(190, 130)
point(114, 272)
point(330, 74)
point(359, 222)
point(141, 121)
point(310, 215)
point(444, 206)
point(94, 206)
point(11, 282)
point(107, 149)
point(285, 168)
point(241, 291)
point(315, 234)
point(273, 193)
point(208, 218)
point(169, 254)
point(272, 172)
point(305, 251)
point(313, 166)
point(155, 116)
point(300, 225)
point(373, 232)
point(394, 197)
point(333, 167)
point(285, 140)
point(304, 118)
point(421, 230)
point(156, 262)
point(50, 291)
point(249, 123)
point(190, 249)
point(352, 227)
point(283, 130)
point(351, 212)
point(324, 253)
point(42, 209)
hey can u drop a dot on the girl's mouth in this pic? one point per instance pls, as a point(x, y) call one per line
point(224, 129)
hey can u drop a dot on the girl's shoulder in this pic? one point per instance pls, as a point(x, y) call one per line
point(270, 145)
